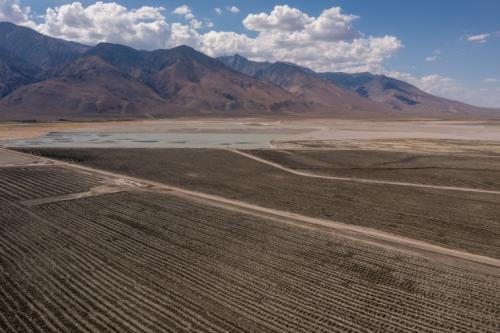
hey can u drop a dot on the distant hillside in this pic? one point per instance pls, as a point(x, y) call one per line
point(48, 78)
point(86, 88)
point(38, 49)
point(398, 94)
point(111, 80)
point(15, 72)
point(391, 93)
point(184, 76)
point(305, 84)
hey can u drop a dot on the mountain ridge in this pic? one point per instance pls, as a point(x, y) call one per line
point(38, 49)
point(49, 78)
point(394, 93)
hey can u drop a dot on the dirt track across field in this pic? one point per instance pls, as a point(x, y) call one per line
point(366, 235)
point(85, 250)
point(361, 180)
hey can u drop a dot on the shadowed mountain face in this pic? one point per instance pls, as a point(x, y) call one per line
point(304, 83)
point(86, 88)
point(48, 78)
point(399, 97)
point(15, 72)
point(117, 81)
point(187, 77)
point(38, 49)
point(398, 94)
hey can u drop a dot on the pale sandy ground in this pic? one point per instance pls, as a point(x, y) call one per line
point(316, 133)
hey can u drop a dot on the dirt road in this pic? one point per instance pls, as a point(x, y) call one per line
point(361, 180)
point(375, 237)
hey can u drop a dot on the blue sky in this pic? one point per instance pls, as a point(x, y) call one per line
point(447, 47)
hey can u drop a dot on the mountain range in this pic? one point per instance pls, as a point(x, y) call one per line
point(47, 78)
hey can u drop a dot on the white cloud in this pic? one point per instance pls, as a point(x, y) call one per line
point(433, 84)
point(218, 10)
point(490, 80)
point(324, 43)
point(12, 11)
point(448, 88)
point(332, 25)
point(481, 38)
point(185, 11)
point(195, 24)
point(434, 57)
point(440, 85)
point(328, 42)
point(233, 9)
point(282, 18)
point(144, 27)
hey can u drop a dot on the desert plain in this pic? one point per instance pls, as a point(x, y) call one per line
point(250, 225)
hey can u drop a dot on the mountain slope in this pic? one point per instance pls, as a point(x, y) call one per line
point(190, 78)
point(398, 94)
point(87, 88)
point(304, 84)
point(38, 49)
point(391, 96)
point(15, 72)
point(53, 78)
point(117, 81)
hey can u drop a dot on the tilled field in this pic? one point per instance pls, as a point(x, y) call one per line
point(25, 183)
point(467, 221)
point(147, 262)
point(481, 172)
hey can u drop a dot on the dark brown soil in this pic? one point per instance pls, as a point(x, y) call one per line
point(143, 262)
point(25, 183)
point(466, 221)
point(433, 169)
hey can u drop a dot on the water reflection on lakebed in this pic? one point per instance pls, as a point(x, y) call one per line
point(150, 140)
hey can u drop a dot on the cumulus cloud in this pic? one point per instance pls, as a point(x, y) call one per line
point(144, 27)
point(185, 11)
point(440, 85)
point(282, 18)
point(12, 11)
point(324, 43)
point(448, 88)
point(481, 38)
point(434, 57)
point(434, 84)
point(233, 9)
point(196, 24)
point(332, 25)
point(327, 42)
point(218, 10)
point(490, 80)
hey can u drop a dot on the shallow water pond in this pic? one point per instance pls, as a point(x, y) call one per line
point(149, 140)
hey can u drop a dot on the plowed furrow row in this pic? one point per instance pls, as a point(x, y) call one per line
point(25, 183)
point(51, 184)
point(81, 287)
point(266, 266)
point(320, 250)
point(63, 300)
point(18, 190)
point(232, 291)
point(46, 318)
